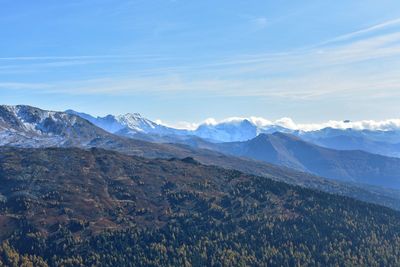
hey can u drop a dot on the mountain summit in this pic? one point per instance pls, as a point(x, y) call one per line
point(291, 151)
point(33, 127)
point(130, 124)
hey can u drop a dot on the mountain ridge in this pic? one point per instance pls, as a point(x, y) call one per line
point(384, 142)
point(291, 151)
point(96, 137)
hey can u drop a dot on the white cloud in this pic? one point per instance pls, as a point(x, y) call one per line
point(369, 29)
point(259, 121)
point(368, 67)
point(179, 125)
point(46, 58)
point(210, 121)
point(384, 125)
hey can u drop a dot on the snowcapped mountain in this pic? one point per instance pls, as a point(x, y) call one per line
point(235, 130)
point(384, 140)
point(227, 131)
point(108, 123)
point(32, 127)
point(25, 126)
point(129, 124)
point(134, 125)
point(375, 137)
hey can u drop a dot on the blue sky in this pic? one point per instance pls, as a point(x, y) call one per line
point(190, 60)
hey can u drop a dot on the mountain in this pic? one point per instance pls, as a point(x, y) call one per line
point(227, 131)
point(382, 142)
point(290, 151)
point(387, 136)
point(73, 207)
point(128, 125)
point(73, 131)
point(26, 126)
point(108, 123)
point(136, 126)
point(385, 143)
point(32, 127)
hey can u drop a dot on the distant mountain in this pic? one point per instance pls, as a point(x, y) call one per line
point(387, 136)
point(73, 207)
point(381, 142)
point(377, 142)
point(25, 126)
point(108, 123)
point(129, 125)
point(134, 126)
point(290, 151)
point(227, 131)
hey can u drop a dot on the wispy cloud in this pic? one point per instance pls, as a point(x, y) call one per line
point(23, 86)
point(24, 64)
point(363, 31)
point(355, 64)
point(78, 57)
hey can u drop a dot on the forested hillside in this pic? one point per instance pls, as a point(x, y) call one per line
point(71, 207)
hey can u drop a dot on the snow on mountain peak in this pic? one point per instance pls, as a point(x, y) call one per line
point(233, 128)
point(34, 119)
point(288, 123)
point(19, 124)
point(32, 127)
point(136, 121)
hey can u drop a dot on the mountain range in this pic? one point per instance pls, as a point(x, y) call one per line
point(25, 126)
point(124, 191)
point(331, 153)
point(383, 142)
